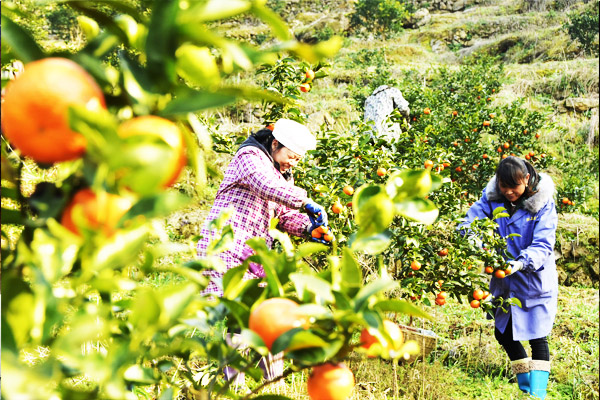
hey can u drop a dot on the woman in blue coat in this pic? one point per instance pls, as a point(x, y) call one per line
point(529, 200)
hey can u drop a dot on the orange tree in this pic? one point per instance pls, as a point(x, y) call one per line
point(78, 252)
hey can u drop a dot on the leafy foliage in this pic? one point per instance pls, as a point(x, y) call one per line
point(583, 27)
point(384, 16)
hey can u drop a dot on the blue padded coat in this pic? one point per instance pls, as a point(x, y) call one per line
point(536, 285)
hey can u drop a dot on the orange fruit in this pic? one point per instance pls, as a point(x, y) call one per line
point(443, 252)
point(467, 140)
point(442, 295)
point(305, 87)
point(508, 270)
point(504, 156)
point(322, 229)
point(500, 274)
point(330, 382)
point(163, 145)
point(475, 303)
point(35, 111)
point(454, 113)
point(415, 265)
point(486, 123)
point(531, 154)
point(270, 127)
point(310, 75)
point(316, 233)
point(506, 145)
point(98, 212)
point(274, 317)
point(485, 294)
point(336, 208)
point(381, 171)
point(428, 164)
point(458, 169)
point(440, 301)
point(328, 237)
point(440, 283)
point(525, 131)
point(489, 270)
point(427, 111)
point(349, 190)
point(565, 200)
point(527, 157)
point(478, 294)
point(484, 156)
point(537, 135)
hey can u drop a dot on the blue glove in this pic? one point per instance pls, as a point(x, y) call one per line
point(316, 213)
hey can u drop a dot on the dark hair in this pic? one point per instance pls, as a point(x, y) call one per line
point(265, 137)
point(512, 171)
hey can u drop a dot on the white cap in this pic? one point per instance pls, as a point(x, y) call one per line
point(294, 136)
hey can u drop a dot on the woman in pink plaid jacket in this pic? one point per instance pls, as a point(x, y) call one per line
point(258, 186)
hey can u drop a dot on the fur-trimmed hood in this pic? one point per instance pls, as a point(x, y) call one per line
point(532, 204)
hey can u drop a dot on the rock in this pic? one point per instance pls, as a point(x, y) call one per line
point(438, 46)
point(572, 266)
point(595, 269)
point(580, 278)
point(317, 22)
point(420, 18)
point(581, 104)
point(562, 275)
point(579, 251)
point(315, 120)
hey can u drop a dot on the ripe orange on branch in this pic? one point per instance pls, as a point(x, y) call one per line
point(99, 212)
point(305, 87)
point(337, 208)
point(415, 265)
point(310, 75)
point(349, 190)
point(381, 171)
point(274, 317)
point(330, 382)
point(35, 111)
point(393, 331)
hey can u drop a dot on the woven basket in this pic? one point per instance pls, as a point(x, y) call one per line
point(426, 340)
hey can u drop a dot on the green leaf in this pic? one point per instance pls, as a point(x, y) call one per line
point(372, 288)
point(373, 210)
point(174, 300)
point(118, 251)
point(419, 210)
point(212, 10)
point(498, 210)
point(196, 101)
point(160, 51)
point(406, 184)
point(234, 283)
point(12, 217)
point(99, 127)
point(316, 355)
point(401, 306)
point(374, 244)
point(351, 273)
point(269, 260)
point(138, 84)
point(251, 339)
point(312, 284)
point(145, 311)
point(297, 339)
point(21, 44)
point(17, 303)
point(137, 373)
point(278, 26)
point(309, 248)
point(9, 193)
point(55, 255)
point(238, 310)
point(271, 397)
point(159, 205)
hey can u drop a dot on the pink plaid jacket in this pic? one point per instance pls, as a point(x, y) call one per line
point(256, 192)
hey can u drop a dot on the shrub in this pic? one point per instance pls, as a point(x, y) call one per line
point(383, 16)
point(583, 27)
